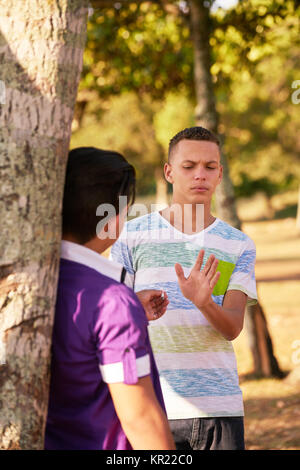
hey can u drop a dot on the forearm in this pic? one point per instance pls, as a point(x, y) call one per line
point(229, 322)
point(149, 430)
point(141, 416)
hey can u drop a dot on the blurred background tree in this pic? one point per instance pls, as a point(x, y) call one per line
point(136, 52)
point(152, 68)
point(146, 48)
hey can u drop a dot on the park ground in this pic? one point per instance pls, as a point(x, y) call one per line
point(272, 406)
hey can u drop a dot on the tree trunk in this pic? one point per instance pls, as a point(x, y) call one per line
point(298, 212)
point(41, 47)
point(206, 115)
point(264, 361)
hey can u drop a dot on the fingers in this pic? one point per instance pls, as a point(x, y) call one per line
point(212, 270)
point(160, 311)
point(208, 264)
point(151, 295)
point(158, 296)
point(180, 273)
point(214, 280)
point(158, 301)
point(158, 304)
point(199, 260)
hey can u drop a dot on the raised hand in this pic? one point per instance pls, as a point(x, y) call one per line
point(155, 302)
point(199, 285)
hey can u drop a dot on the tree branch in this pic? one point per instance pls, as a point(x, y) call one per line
point(166, 4)
point(112, 3)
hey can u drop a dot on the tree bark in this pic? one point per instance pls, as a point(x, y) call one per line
point(265, 363)
point(298, 212)
point(41, 48)
point(206, 114)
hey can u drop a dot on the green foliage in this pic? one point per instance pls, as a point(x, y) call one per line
point(136, 47)
point(137, 87)
point(256, 62)
point(125, 126)
point(250, 186)
point(176, 113)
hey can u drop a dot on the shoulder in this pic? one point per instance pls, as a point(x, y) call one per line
point(92, 284)
point(228, 232)
point(119, 310)
point(120, 293)
point(105, 300)
point(121, 298)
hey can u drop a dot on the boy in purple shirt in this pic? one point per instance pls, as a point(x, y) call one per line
point(105, 391)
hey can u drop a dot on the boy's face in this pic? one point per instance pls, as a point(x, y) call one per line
point(109, 234)
point(194, 171)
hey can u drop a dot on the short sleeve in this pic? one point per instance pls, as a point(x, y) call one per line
point(121, 336)
point(243, 275)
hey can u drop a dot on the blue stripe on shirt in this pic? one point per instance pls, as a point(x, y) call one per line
point(245, 263)
point(223, 230)
point(202, 382)
point(175, 296)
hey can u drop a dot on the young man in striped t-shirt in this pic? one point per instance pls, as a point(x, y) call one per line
point(206, 267)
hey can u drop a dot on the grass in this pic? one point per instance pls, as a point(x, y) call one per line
point(272, 406)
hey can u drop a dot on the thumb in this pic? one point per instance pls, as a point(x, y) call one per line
point(179, 272)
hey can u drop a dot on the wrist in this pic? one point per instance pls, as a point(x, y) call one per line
point(205, 306)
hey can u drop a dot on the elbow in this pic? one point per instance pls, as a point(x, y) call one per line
point(232, 334)
point(230, 337)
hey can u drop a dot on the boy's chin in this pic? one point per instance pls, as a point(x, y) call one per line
point(200, 198)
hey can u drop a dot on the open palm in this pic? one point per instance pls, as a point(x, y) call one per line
point(199, 285)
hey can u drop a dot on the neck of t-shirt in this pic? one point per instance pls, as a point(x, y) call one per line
point(188, 219)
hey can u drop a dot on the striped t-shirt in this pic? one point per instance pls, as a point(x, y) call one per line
point(197, 365)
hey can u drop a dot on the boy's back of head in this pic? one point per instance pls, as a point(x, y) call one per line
point(93, 177)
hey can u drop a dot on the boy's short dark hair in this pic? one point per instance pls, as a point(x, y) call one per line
point(93, 177)
point(192, 133)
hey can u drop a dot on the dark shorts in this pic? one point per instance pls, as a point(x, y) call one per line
point(209, 433)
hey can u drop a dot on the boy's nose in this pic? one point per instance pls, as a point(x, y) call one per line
point(199, 175)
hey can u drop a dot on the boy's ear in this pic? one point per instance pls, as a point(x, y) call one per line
point(220, 174)
point(168, 172)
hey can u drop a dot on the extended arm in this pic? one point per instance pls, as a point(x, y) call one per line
point(144, 422)
point(228, 319)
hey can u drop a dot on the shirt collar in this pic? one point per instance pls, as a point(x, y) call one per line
point(83, 255)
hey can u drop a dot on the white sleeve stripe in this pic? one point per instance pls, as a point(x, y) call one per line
point(114, 373)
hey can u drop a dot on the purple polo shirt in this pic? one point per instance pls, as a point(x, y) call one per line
point(99, 336)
